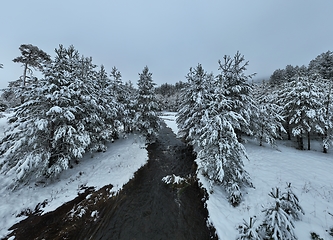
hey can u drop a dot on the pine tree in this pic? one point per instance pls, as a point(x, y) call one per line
point(147, 121)
point(237, 88)
point(119, 91)
point(277, 78)
point(50, 130)
point(220, 153)
point(323, 65)
point(32, 57)
point(129, 97)
point(206, 120)
point(266, 124)
point(327, 108)
point(278, 224)
point(93, 103)
point(290, 203)
point(302, 101)
point(195, 99)
point(108, 111)
point(249, 230)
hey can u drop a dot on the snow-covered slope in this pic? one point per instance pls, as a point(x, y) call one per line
point(116, 166)
point(309, 172)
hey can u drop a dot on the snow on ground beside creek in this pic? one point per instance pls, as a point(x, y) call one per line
point(116, 166)
point(309, 172)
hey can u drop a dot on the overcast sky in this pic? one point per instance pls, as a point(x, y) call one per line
point(169, 36)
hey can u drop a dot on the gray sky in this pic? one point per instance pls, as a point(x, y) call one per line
point(169, 36)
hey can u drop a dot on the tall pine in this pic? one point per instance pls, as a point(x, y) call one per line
point(146, 120)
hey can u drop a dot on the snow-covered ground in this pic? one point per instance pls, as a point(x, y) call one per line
point(309, 172)
point(170, 119)
point(116, 166)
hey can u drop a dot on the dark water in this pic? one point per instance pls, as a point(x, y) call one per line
point(146, 208)
point(150, 209)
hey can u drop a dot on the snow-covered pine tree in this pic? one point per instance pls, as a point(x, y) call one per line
point(31, 57)
point(147, 121)
point(277, 78)
point(122, 97)
point(323, 65)
point(266, 123)
point(278, 224)
point(195, 99)
point(249, 230)
point(219, 151)
point(24, 148)
point(301, 99)
point(93, 103)
point(327, 110)
point(108, 110)
point(129, 97)
point(49, 130)
point(290, 203)
point(237, 88)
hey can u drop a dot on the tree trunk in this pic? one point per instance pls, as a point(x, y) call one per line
point(324, 148)
point(309, 141)
point(300, 142)
point(288, 129)
point(261, 135)
point(25, 73)
point(301, 145)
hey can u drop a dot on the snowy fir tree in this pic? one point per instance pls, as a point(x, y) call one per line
point(219, 151)
point(290, 203)
point(95, 103)
point(107, 111)
point(31, 58)
point(267, 122)
point(327, 110)
point(249, 230)
point(277, 224)
point(124, 98)
point(195, 99)
point(277, 78)
point(318, 78)
point(207, 120)
point(323, 65)
point(302, 102)
point(237, 88)
point(58, 122)
point(147, 121)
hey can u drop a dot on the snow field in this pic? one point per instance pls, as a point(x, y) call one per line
point(309, 172)
point(116, 166)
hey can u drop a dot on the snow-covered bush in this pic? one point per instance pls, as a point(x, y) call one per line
point(249, 230)
point(278, 220)
point(278, 224)
point(290, 203)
